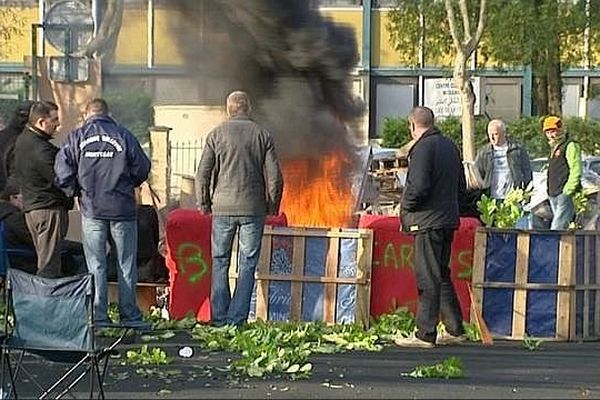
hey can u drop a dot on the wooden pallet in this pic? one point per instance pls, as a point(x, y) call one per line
point(539, 284)
point(312, 274)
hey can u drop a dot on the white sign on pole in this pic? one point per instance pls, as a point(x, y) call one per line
point(443, 97)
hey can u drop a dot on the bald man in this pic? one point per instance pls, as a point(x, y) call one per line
point(502, 164)
point(429, 211)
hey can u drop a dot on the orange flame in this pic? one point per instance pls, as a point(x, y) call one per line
point(317, 193)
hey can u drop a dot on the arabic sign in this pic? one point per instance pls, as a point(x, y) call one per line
point(443, 97)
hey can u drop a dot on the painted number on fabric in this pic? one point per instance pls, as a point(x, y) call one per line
point(190, 259)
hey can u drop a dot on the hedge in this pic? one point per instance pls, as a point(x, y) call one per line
point(526, 130)
point(132, 109)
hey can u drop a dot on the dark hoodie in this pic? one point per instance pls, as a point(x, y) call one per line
point(18, 238)
point(8, 137)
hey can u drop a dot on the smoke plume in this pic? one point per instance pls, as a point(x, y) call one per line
point(294, 63)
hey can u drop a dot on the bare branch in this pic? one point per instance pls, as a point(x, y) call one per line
point(465, 17)
point(482, 21)
point(104, 43)
point(452, 22)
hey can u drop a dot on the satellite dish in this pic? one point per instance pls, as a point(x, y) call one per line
point(69, 26)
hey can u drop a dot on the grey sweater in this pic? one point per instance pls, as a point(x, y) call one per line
point(239, 173)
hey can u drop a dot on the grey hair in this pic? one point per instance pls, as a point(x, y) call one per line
point(499, 123)
point(238, 102)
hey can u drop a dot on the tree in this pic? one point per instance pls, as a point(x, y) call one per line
point(544, 34)
point(103, 45)
point(465, 43)
point(10, 27)
point(406, 32)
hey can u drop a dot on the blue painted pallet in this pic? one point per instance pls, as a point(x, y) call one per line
point(312, 274)
point(540, 284)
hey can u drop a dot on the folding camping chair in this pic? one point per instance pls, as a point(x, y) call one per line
point(52, 319)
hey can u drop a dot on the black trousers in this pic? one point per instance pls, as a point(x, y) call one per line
point(436, 293)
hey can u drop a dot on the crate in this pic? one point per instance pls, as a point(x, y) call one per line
point(312, 274)
point(543, 284)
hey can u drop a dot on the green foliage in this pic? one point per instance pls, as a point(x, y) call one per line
point(146, 356)
point(388, 326)
point(503, 214)
point(450, 368)
point(472, 332)
point(531, 343)
point(525, 130)
point(396, 132)
point(132, 109)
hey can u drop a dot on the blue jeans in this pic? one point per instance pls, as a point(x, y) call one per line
point(225, 309)
point(563, 210)
point(95, 238)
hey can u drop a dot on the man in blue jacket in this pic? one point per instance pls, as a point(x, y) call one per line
point(101, 163)
point(429, 210)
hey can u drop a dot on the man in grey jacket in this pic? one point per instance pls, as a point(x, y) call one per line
point(502, 164)
point(239, 181)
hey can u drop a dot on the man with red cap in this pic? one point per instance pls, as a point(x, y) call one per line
point(564, 172)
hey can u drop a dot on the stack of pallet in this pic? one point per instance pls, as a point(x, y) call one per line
point(387, 176)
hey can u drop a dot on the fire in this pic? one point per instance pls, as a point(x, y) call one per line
point(317, 193)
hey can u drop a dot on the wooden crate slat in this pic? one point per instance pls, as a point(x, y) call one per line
point(588, 242)
point(566, 261)
point(331, 268)
point(299, 248)
point(262, 287)
point(520, 295)
point(477, 274)
point(364, 255)
point(597, 314)
point(331, 233)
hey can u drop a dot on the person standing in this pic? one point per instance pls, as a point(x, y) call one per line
point(430, 211)
point(8, 138)
point(564, 172)
point(45, 205)
point(102, 163)
point(239, 181)
point(502, 164)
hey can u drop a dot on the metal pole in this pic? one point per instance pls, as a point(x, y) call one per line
point(366, 58)
point(96, 15)
point(150, 34)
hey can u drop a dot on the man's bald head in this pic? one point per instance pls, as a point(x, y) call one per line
point(422, 117)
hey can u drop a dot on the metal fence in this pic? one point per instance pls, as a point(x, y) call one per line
point(184, 157)
point(14, 87)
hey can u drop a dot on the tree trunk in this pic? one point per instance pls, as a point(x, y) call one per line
point(554, 80)
point(467, 97)
point(540, 94)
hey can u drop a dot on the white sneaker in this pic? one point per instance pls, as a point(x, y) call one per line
point(445, 339)
point(413, 342)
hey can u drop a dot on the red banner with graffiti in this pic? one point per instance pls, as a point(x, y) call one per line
point(189, 262)
point(393, 282)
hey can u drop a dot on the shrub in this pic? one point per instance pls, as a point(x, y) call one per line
point(133, 109)
point(525, 130)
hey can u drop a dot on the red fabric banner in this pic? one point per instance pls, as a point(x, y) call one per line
point(393, 282)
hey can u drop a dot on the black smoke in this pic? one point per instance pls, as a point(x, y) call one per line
point(294, 63)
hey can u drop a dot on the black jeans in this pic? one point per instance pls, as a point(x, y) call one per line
point(436, 293)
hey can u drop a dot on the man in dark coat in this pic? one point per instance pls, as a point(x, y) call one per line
point(430, 211)
point(8, 137)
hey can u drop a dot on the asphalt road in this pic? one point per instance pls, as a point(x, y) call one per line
point(505, 370)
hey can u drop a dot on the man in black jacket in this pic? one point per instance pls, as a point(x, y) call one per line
point(429, 210)
point(45, 205)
